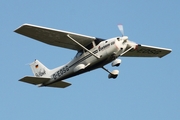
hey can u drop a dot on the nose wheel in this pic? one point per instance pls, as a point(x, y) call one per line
point(116, 62)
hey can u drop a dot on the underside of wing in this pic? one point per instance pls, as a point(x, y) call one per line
point(54, 37)
point(147, 51)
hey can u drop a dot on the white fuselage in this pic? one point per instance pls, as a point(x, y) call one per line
point(84, 61)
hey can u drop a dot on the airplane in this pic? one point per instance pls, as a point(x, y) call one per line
point(92, 53)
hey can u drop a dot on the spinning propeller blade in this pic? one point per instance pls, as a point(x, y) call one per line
point(121, 29)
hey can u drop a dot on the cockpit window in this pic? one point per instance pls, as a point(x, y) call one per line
point(90, 46)
point(79, 53)
point(98, 40)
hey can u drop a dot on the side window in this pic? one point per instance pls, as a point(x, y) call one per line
point(90, 46)
point(79, 53)
point(98, 40)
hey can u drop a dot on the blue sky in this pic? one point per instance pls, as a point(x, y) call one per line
point(146, 88)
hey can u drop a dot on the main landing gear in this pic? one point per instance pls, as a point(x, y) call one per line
point(114, 73)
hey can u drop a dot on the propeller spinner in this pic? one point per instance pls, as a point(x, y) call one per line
point(130, 44)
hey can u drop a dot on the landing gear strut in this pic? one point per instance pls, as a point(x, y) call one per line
point(112, 74)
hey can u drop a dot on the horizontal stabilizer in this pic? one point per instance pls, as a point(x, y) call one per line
point(59, 84)
point(40, 80)
point(34, 80)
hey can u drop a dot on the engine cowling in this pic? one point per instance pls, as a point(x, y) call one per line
point(113, 74)
point(116, 62)
point(79, 67)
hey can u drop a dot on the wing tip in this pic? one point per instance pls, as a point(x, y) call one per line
point(168, 52)
point(23, 25)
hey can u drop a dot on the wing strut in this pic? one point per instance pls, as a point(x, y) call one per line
point(82, 46)
point(127, 51)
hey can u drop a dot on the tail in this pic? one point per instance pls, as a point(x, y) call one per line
point(39, 70)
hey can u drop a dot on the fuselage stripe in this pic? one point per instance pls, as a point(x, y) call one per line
point(84, 58)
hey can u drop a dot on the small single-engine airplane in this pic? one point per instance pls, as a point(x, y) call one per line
point(92, 53)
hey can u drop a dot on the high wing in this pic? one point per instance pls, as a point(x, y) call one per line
point(147, 51)
point(54, 37)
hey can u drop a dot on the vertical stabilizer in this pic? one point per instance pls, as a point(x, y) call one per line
point(39, 70)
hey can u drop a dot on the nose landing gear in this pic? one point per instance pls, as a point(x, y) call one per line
point(116, 62)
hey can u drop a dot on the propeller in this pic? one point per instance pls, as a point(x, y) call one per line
point(131, 44)
point(120, 26)
point(121, 29)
